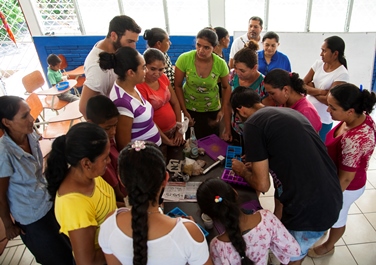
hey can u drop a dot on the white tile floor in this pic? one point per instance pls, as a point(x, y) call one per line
point(358, 244)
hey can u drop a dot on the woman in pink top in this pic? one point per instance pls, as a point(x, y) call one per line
point(158, 91)
point(287, 90)
point(247, 237)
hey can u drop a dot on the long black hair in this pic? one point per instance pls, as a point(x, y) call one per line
point(335, 43)
point(227, 211)
point(121, 61)
point(83, 140)
point(278, 78)
point(143, 183)
point(349, 96)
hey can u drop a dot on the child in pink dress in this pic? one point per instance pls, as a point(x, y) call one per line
point(248, 237)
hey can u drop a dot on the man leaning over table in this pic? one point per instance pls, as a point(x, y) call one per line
point(123, 32)
point(283, 142)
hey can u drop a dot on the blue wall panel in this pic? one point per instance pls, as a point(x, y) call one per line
point(76, 48)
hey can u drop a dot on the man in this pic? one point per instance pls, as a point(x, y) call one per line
point(283, 142)
point(254, 30)
point(123, 31)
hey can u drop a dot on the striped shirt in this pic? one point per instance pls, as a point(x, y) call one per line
point(143, 127)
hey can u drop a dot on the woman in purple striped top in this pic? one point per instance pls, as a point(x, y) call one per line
point(136, 114)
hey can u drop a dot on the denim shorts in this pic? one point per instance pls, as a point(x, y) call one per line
point(305, 239)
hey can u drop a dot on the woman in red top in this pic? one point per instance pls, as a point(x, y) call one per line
point(158, 91)
point(350, 144)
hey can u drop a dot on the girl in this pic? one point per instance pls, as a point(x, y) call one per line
point(248, 237)
point(143, 235)
point(136, 114)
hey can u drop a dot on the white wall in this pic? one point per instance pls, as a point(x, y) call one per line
point(303, 49)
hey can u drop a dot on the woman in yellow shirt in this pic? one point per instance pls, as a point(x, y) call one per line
point(82, 198)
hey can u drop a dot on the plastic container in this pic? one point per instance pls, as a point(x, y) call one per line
point(213, 145)
point(62, 85)
point(177, 212)
point(228, 175)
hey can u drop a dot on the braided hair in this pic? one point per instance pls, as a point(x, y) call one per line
point(226, 211)
point(143, 183)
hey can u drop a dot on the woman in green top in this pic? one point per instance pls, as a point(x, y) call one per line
point(199, 95)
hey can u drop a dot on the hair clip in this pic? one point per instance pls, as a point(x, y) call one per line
point(138, 145)
point(217, 199)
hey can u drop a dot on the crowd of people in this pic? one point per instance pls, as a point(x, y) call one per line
point(133, 103)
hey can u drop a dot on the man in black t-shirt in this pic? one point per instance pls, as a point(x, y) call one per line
point(282, 142)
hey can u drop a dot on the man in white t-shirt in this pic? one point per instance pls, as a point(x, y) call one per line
point(123, 32)
point(254, 30)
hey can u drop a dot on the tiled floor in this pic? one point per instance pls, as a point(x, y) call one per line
point(358, 244)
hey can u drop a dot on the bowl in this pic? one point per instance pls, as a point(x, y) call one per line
point(62, 85)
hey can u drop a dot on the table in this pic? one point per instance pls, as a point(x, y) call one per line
point(53, 91)
point(246, 194)
point(71, 113)
point(79, 71)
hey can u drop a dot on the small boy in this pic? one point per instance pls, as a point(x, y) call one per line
point(55, 76)
point(103, 112)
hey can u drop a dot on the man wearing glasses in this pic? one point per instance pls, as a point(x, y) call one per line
point(123, 32)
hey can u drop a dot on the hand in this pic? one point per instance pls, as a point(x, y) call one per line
point(178, 139)
point(238, 167)
point(226, 135)
point(13, 231)
point(219, 116)
point(191, 121)
point(189, 217)
point(170, 142)
point(248, 165)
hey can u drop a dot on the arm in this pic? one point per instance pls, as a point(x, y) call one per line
point(83, 246)
point(257, 176)
point(197, 235)
point(123, 131)
point(226, 108)
point(112, 260)
point(179, 77)
point(345, 178)
point(86, 94)
point(323, 97)
point(11, 229)
point(178, 138)
point(231, 63)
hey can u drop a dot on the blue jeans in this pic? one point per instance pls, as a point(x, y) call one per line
point(305, 239)
point(44, 241)
point(324, 130)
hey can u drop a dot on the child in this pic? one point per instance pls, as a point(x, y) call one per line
point(143, 235)
point(103, 112)
point(247, 236)
point(54, 76)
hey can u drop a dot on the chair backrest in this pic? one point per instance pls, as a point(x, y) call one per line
point(64, 63)
point(35, 105)
point(33, 81)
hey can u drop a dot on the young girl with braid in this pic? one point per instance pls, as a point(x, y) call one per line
point(143, 235)
point(247, 237)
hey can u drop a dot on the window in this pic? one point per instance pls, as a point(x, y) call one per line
point(328, 16)
point(287, 15)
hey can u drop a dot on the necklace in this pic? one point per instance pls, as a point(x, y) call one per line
point(153, 212)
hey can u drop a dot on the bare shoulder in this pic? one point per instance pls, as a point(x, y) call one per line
point(194, 231)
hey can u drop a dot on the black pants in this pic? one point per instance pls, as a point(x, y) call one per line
point(44, 241)
point(204, 124)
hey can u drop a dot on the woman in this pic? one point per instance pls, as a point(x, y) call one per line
point(324, 75)
point(199, 95)
point(223, 41)
point(143, 235)
point(247, 236)
point(350, 144)
point(82, 198)
point(287, 90)
point(159, 39)
point(23, 192)
point(270, 58)
point(136, 114)
point(158, 91)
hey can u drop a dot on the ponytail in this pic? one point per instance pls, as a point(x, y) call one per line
point(278, 78)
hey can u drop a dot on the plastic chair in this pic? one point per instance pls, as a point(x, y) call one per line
point(55, 126)
point(74, 74)
point(34, 81)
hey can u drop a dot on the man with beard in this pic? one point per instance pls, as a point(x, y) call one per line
point(123, 32)
point(282, 142)
point(254, 30)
